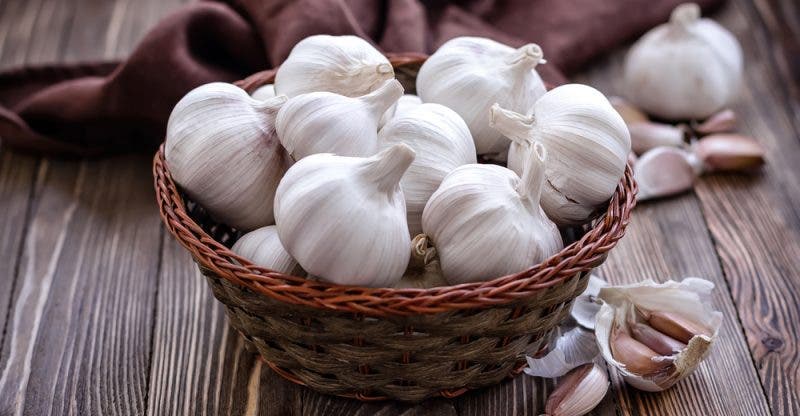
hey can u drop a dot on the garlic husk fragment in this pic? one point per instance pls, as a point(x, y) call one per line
point(344, 219)
point(665, 171)
point(469, 74)
point(325, 122)
point(442, 142)
point(345, 65)
point(424, 271)
point(264, 92)
point(263, 248)
point(626, 305)
point(649, 135)
point(486, 222)
point(687, 68)
point(579, 127)
point(578, 392)
point(403, 104)
point(728, 152)
point(586, 305)
point(221, 148)
point(575, 347)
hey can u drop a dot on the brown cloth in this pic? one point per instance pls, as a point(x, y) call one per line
point(99, 108)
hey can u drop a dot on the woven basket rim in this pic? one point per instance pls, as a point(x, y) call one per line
point(580, 256)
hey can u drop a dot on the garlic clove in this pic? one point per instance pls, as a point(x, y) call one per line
point(658, 341)
point(663, 171)
point(636, 357)
point(576, 347)
point(345, 65)
point(264, 92)
point(578, 392)
point(675, 326)
point(649, 135)
point(263, 247)
point(405, 103)
point(586, 306)
point(628, 111)
point(729, 152)
point(324, 122)
point(721, 122)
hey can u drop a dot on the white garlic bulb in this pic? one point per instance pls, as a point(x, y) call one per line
point(687, 68)
point(657, 334)
point(486, 222)
point(325, 122)
point(442, 142)
point(588, 143)
point(405, 103)
point(469, 74)
point(346, 65)
point(344, 219)
point(263, 247)
point(221, 148)
point(264, 92)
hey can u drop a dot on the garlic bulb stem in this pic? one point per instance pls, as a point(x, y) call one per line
point(530, 187)
point(516, 127)
point(382, 98)
point(385, 171)
point(684, 15)
point(526, 58)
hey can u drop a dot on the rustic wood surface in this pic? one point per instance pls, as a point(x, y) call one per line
point(103, 313)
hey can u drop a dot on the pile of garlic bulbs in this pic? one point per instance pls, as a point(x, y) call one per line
point(333, 171)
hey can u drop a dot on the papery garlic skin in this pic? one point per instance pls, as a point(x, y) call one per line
point(486, 222)
point(325, 122)
point(264, 92)
point(588, 142)
point(345, 65)
point(578, 392)
point(221, 148)
point(469, 74)
point(344, 219)
point(405, 103)
point(263, 247)
point(687, 68)
point(442, 142)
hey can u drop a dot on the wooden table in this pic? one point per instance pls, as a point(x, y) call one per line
point(103, 313)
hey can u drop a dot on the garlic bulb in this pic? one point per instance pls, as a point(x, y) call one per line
point(324, 122)
point(405, 103)
point(442, 142)
point(263, 248)
point(222, 150)
point(687, 68)
point(344, 219)
point(640, 326)
point(264, 92)
point(469, 74)
point(346, 65)
point(588, 144)
point(486, 222)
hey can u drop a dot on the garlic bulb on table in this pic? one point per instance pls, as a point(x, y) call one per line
point(263, 247)
point(222, 150)
point(346, 65)
point(344, 219)
point(587, 141)
point(486, 222)
point(325, 122)
point(687, 68)
point(469, 74)
point(442, 142)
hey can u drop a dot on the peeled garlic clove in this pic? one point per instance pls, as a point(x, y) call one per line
point(442, 142)
point(324, 122)
point(576, 347)
point(222, 150)
point(486, 221)
point(263, 248)
point(579, 392)
point(579, 127)
point(657, 341)
point(729, 152)
point(721, 122)
point(663, 171)
point(688, 68)
point(628, 111)
point(344, 219)
point(345, 65)
point(264, 92)
point(469, 74)
point(649, 135)
point(586, 306)
point(405, 103)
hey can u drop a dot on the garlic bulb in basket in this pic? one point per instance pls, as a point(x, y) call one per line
point(486, 222)
point(405, 103)
point(656, 334)
point(588, 144)
point(263, 247)
point(222, 150)
point(264, 92)
point(346, 65)
point(469, 74)
point(344, 219)
point(442, 142)
point(687, 68)
point(324, 122)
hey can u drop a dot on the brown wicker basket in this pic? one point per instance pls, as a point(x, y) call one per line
point(405, 344)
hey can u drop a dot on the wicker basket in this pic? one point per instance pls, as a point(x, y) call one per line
point(405, 344)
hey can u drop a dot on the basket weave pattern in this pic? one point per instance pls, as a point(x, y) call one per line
point(405, 344)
